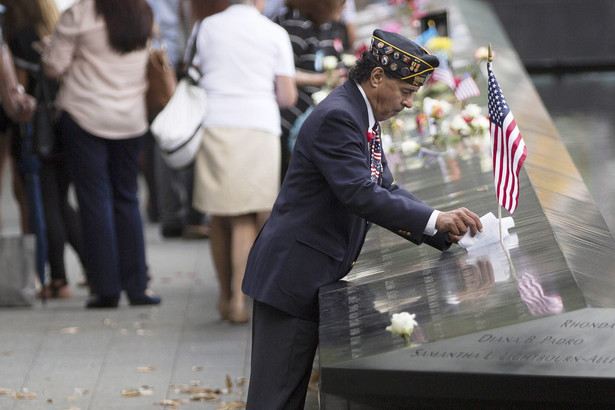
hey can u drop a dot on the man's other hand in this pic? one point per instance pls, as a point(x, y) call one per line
point(457, 222)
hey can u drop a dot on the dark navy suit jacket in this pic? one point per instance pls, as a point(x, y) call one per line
point(325, 207)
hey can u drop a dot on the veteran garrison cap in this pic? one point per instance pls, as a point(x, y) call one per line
point(402, 57)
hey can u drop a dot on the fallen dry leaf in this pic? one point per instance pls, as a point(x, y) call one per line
point(145, 369)
point(5, 392)
point(170, 402)
point(73, 330)
point(207, 397)
point(130, 393)
point(24, 395)
point(229, 382)
point(141, 391)
point(199, 390)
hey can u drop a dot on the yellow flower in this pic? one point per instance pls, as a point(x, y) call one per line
point(440, 43)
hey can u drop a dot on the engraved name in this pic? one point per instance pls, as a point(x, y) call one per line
point(549, 340)
point(444, 355)
point(574, 324)
point(510, 356)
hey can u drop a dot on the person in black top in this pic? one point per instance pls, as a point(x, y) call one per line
point(314, 36)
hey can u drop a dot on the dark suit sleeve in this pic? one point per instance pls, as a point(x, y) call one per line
point(439, 240)
point(340, 153)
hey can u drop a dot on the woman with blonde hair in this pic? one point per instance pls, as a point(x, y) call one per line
point(27, 24)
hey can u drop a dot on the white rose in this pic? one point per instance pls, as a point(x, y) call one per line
point(473, 110)
point(446, 107)
point(329, 63)
point(386, 142)
point(481, 53)
point(481, 123)
point(319, 95)
point(459, 125)
point(402, 323)
point(410, 147)
point(349, 59)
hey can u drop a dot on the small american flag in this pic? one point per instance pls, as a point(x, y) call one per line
point(466, 88)
point(507, 146)
point(534, 297)
point(444, 74)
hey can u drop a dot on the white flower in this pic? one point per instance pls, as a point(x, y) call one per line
point(472, 110)
point(349, 60)
point(481, 123)
point(387, 142)
point(482, 53)
point(410, 147)
point(329, 63)
point(458, 124)
point(319, 95)
point(402, 324)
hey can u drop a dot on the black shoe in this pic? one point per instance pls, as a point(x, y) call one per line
point(171, 231)
point(144, 299)
point(97, 302)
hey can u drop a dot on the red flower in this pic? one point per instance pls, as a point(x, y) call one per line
point(370, 136)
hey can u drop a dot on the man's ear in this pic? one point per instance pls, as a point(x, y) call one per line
point(377, 77)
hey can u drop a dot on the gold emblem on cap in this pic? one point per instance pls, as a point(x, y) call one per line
point(407, 58)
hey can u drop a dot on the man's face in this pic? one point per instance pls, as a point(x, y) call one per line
point(391, 97)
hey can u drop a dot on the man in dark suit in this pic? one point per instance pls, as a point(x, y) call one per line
point(337, 185)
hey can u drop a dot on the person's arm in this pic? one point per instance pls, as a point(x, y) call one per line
point(18, 105)
point(305, 78)
point(285, 91)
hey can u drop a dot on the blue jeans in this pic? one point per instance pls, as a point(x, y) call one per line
point(104, 173)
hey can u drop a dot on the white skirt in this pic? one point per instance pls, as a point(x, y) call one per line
point(237, 171)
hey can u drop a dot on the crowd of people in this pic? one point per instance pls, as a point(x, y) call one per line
point(103, 106)
point(281, 223)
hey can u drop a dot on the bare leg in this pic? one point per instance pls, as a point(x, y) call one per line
point(261, 218)
point(5, 143)
point(243, 233)
point(19, 191)
point(220, 242)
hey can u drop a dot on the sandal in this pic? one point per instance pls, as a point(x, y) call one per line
point(57, 289)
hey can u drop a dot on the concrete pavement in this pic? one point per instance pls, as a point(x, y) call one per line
point(178, 355)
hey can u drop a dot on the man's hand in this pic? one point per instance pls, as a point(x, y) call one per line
point(457, 222)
